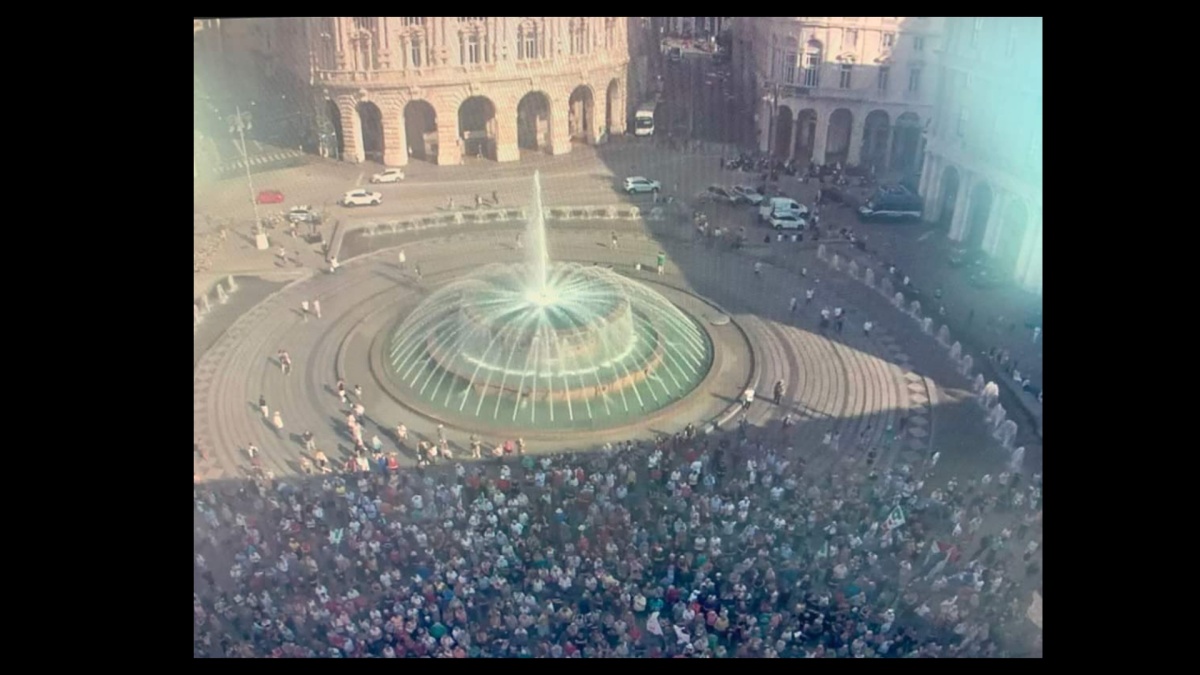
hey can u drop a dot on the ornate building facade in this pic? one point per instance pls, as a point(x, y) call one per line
point(443, 88)
point(855, 90)
point(982, 176)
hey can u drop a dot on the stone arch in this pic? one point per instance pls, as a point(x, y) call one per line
point(1014, 222)
point(333, 140)
point(906, 141)
point(805, 136)
point(533, 121)
point(876, 130)
point(948, 195)
point(979, 210)
point(581, 114)
point(837, 145)
point(370, 130)
point(477, 127)
point(420, 130)
point(614, 109)
point(783, 132)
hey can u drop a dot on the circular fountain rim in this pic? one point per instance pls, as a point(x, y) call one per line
point(381, 338)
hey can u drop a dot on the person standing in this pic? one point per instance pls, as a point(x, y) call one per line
point(614, 240)
point(417, 271)
point(358, 392)
point(304, 309)
point(495, 199)
point(310, 442)
point(1037, 332)
point(747, 398)
point(285, 362)
point(402, 258)
point(401, 433)
point(758, 268)
point(520, 244)
point(778, 391)
point(662, 263)
point(808, 296)
point(792, 305)
point(277, 422)
point(262, 405)
point(333, 264)
point(867, 326)
point(478, 201)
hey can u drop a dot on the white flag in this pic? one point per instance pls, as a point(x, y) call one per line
point(894, 520)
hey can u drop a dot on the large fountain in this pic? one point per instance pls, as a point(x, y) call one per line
point(547, 346)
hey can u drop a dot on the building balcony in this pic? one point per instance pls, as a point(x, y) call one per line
point(863, 95)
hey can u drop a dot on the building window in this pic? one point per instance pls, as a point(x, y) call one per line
point(415, 49)
point(844, 75)
point(527, 43)
point(976, 30)
point(579, 35)
point(469, 19)
point(610, 39)
point(851, 37)
point(470, 49)
point(884, 72)
point(914, 80)
point(789, 67)
point(960, 128)
point(889, 40)
point(918, 43)
point(412, 21)
point(812, 65)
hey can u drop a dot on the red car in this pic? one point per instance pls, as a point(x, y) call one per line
point(269, 197)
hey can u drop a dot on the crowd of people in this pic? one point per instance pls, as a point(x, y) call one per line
point(719, 545)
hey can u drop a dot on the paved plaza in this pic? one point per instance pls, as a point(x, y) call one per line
point(846, 384)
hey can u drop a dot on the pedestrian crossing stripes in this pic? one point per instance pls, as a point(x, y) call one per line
point(260, 160)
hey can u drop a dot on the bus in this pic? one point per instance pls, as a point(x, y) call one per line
point(643, 119)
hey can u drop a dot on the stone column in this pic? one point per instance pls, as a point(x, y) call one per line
point(958, 221)
point(619, 112)
point(352, 142)
point(923, 186)
point(560, 128)
point(820, 139)
point(1029, 262)
point(991, 230)
point(787, 150)
point(506, 134)
point(596, 120)
point(395, 145)
point(858, 126)
point(449, 151)
point(765, 127)
point(929, 190)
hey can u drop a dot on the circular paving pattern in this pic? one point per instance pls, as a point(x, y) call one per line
point(848, 384)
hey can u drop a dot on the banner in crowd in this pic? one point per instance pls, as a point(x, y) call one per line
point(895, 519)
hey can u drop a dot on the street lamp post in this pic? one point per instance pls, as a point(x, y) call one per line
point(240, 123)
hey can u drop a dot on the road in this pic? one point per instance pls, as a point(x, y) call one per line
point(697, 99)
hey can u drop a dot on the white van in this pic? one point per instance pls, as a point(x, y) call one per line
point(781, 205)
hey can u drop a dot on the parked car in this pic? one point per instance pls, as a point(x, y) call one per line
point(303, 214)
point(388, 176)
point(718, 193)
point(361, 197)
point(892, 202)
point(637, 184)
point(269, 197)
point(749, 195)
point(786, 221)
point(781, 205)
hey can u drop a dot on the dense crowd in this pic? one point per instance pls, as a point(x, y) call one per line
point(708, 546)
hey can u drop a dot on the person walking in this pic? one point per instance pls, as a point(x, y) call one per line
point(285, 362)
point(662, 263)
point(333, 264)
point(778, 391)
point(402, 258)
point(520, 243)
point(277, 422)
point(341, 391)
point(495, 199)
point(358, 392)
point(262, 405)
point(867, 326)
point(478, 201)
point(614, 240)
point(417, 271)
point(808, 296)
point(310, 442)
point(747, 398)
point(304, 309)
point(792, 305)
point(316, 306)
point(758, 268)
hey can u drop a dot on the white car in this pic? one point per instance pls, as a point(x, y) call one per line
point(638, 184)
point(388, 176)
point(781, 205)
point(786, 221)
point(361, 197)
point(749, 194)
